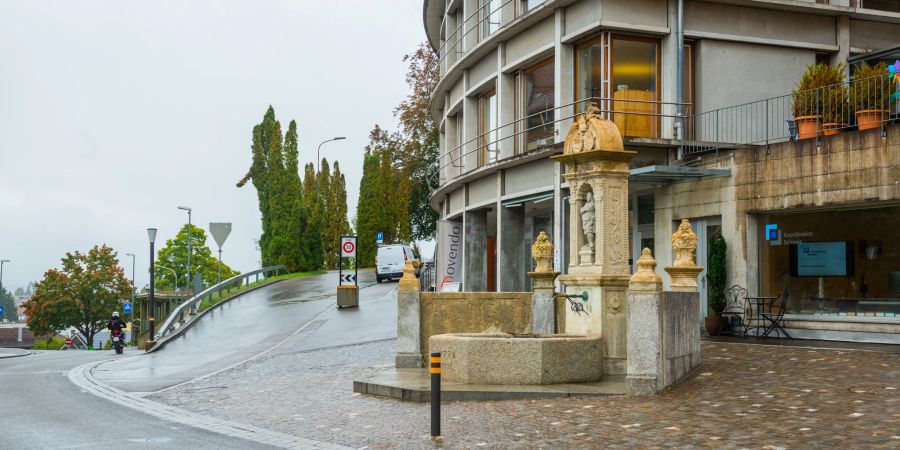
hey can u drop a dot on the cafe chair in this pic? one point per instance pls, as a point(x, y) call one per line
point(737, 310)
point(774, 318)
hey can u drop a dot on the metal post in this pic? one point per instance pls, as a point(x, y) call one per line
point(219, 278)
point(152, 314)
point(189, 253)
point(435, 394)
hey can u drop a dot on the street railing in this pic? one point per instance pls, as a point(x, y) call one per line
point(177, 315)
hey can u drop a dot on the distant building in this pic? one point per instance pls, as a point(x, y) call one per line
point(718, 147)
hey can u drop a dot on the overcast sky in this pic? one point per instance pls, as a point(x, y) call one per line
point(114, 113)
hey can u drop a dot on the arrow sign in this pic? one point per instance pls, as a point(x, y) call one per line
point(348, 278)
point(127, 308)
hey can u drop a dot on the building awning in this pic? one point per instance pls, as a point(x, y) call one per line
point(519, 201)
point(673, 174)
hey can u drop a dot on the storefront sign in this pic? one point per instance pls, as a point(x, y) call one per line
point(449, 252)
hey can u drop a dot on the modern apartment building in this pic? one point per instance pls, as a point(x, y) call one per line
point(701, 90)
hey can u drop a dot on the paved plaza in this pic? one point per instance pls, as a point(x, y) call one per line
point(742, 396)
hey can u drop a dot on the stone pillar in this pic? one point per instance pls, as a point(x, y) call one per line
point(510, 249)
point(543, 306)
point(408, 321)
point(597, 173)
point(475, 257)
point(644, 328)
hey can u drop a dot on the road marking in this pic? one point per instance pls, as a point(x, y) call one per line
point(83, 377)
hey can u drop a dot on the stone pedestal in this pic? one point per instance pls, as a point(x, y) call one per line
point(409, 321)
point(597, 172)
point(543, 306)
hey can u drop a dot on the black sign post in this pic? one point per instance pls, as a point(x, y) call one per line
point(348, 284)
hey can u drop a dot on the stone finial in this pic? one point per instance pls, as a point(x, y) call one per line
point(409, 282)
point(592, 132)
point(542, 252)
point(684, 243)
point(645, 279)
point(685, 271)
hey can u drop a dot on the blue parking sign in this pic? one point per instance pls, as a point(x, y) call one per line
point(1, 310)
point(379, 237)
point(127, 308)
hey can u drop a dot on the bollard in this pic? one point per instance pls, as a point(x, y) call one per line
point(435, 394)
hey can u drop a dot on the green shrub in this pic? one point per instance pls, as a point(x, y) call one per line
point(871, 86)
point(814, 88)
point(716, 274)
point(55, 343)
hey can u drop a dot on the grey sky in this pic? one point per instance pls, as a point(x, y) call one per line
point(114, 113)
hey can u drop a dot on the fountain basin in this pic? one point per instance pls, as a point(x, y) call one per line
point(516, 359)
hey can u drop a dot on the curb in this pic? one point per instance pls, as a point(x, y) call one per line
point(17, 355)
point(188, 325)
point(83, 377)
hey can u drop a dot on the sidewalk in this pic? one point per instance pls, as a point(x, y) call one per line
point(743, 395)
point(6, 352)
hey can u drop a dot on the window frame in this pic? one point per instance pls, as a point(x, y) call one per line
point(483, 130)
point(610, 59)
point(521, 105)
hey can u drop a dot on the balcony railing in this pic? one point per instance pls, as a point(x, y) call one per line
point(477, 22)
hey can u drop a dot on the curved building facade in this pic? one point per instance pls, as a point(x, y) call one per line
point(675, 76)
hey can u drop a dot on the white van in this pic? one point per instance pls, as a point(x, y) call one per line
point(390, 259)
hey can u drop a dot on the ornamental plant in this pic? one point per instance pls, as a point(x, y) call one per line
point(872, 86)
point(812, 91)
point(716, 273)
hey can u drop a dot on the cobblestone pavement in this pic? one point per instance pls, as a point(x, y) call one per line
point(742, 396)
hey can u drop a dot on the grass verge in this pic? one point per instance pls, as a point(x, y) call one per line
point(207, 303)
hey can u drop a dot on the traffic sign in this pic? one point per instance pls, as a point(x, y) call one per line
point(127, 308)
point(348, 246)
point(1, 310)
point(348, 278)
point(379, 238)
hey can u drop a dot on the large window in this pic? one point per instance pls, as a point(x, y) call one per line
point(635, 85)
point(589, 72)
point(460, 136)
point(487, 128)
point(528, 5)
point(536, 85)
point(489, 16)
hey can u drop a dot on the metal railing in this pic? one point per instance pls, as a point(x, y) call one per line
point(658, 119)
point(806, 114)
point(235, 282)
point(475, 22)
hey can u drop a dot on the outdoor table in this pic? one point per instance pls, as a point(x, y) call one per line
point(761, 305)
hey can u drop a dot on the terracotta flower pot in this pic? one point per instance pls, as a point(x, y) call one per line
point(808, 126)
point(714, 325)
point(869, 118)
point(832, 128)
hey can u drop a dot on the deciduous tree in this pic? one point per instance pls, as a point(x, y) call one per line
point(174, 256)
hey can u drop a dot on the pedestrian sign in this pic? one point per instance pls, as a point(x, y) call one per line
point(348, 246)
point(379, 238)
point(127, 308)
point(1, 310)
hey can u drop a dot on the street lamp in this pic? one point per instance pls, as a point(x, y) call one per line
point(2, 262)
point(133, 341)
point(151, 233)
point(174, 275)
point(319, 160)
point(188, 209)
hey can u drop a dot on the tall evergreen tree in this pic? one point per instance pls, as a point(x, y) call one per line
point(371, 212)
point(311, 240)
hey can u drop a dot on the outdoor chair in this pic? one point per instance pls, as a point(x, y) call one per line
point(737, 306)
point(774, 318)
point(793, 130)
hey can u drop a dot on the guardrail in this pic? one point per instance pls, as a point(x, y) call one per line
point(237, 281)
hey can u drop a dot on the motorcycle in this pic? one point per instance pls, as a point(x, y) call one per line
point(118, 341)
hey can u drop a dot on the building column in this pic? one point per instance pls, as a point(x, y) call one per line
point(563, 77)
point(843, 42)
point(510, 250)
point(475, 261)
point(506, 104)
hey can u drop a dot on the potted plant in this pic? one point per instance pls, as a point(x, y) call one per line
point(806, 104)
point(870, 89)
point(835, 107)
point(715, 276)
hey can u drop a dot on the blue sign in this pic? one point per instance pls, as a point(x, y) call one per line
point(379, 237)
point(127, 308)
point(1, 310)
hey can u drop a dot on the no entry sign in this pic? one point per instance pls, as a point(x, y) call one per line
point(348, 246)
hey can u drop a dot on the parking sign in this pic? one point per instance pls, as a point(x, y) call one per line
point(379, 238)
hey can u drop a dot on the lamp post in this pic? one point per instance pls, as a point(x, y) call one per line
point(2, 262)
point(174, 275)
point(151, 318)
point(319, 160)
point(188, 209)
point(133, 341)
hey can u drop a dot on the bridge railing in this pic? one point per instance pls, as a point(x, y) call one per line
point(190, 305)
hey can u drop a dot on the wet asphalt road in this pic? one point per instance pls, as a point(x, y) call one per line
point(41, 408)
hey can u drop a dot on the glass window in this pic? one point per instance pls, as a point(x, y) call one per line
point(490, 17)
point(645, 209)
point(537, 105)
point(635, 84)
point(588, 72)
point(528, 5)
point(460, 136)
point(487, 128)
point(833, 263)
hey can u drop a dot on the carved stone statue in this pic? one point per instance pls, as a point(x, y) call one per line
point(592, 132)
point(684, 243)
point(542, 252)
point(588, 213)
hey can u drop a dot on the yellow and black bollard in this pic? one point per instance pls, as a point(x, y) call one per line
point(435, 394)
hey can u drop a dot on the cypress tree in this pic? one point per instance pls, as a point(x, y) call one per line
point(371, 211)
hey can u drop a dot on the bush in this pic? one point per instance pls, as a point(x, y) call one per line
point(55, 343)
point(815, 87)
point(716, 274)
point(872, 86)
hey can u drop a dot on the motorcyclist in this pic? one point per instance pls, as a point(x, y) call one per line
point(115, 323)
